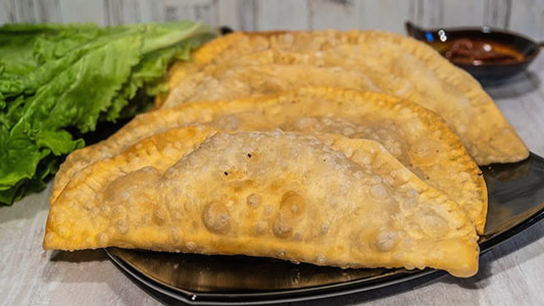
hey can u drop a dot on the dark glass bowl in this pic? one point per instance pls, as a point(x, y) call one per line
point(484, 72)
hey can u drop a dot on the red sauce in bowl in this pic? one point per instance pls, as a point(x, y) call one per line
point(475, 51)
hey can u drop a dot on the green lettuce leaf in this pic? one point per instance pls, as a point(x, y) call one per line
point(57, 82)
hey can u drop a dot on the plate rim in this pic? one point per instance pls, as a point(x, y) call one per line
point(282, 296)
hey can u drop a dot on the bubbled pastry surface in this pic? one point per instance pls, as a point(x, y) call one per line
point(327, 200)
point(252, 64)
point(414, 135)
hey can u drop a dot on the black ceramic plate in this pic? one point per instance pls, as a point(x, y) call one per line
point(516, 201)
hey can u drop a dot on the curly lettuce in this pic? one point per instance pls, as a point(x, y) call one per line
point(57, 82)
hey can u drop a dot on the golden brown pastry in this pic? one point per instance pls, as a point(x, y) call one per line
point(418, 138)
point(250, 64)
point(328, 200)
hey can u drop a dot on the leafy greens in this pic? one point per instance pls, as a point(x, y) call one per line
point(55, 79)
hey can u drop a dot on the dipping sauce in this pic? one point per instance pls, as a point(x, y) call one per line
point(476, 51)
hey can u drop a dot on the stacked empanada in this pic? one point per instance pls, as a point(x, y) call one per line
point(270, 167)
point(252, 64)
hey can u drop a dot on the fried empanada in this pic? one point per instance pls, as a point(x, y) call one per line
point(244, 64)
point(327, 201)
point(414, 135)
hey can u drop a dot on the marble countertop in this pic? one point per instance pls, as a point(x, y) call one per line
point(510, 274)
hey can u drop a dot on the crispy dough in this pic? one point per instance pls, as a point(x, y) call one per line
point(390, 63)
point(327, 201)
point(414, 135)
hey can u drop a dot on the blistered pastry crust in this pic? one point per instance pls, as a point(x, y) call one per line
point(426, 145)
point(394, 64)
point(326, 199)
